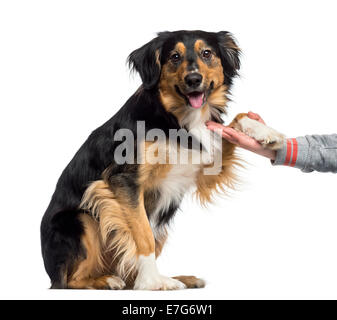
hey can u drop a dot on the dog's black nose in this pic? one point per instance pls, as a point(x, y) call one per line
point(193, 80)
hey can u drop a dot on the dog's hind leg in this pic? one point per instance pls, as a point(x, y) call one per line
point(100, 283)
point(127, 233)
point(91, 272)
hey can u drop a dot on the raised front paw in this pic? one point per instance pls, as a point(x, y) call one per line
point(272, 140)
point(268, 137)
point(158, 283)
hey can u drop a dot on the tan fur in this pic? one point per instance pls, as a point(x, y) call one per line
point(125, 230)
point(209, 185)
point(180, 48)
point(218, 97)
point(199, 45)
point(235, 122)
point(150, 175)
point(100, 283)
point(87, 272)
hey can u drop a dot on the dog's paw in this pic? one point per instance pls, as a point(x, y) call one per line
point(273, 140)
point(115, 283)
point(158, 283)
point(268, 137)
point(191, 281)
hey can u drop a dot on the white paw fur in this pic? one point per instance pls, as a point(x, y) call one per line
point(159, 282)
point(148, 277)
point(268, 137)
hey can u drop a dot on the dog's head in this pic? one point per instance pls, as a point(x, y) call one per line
point(191, 69)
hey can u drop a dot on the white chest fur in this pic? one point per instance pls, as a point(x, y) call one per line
point(182, 176)
point(179, 180)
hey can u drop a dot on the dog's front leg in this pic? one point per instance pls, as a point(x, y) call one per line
point(148, 276)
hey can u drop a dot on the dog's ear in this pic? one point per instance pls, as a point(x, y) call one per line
point(146, 61)
point(230, 55)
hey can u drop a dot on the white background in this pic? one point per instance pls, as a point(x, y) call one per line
point(63, 73)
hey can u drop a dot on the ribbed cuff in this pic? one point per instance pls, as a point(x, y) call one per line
point(294, 153)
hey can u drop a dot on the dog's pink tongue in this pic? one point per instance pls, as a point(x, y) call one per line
point(196, 100)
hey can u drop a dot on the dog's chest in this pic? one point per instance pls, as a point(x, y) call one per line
point(182, 176)
point(180, 179)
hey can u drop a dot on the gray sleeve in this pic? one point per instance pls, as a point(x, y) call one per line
point(309, 153)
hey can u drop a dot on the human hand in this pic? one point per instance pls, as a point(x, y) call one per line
point(241, 139)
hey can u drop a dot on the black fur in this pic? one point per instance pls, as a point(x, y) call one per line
point(60, 228)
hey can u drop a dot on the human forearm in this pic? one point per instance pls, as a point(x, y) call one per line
point(309, 153)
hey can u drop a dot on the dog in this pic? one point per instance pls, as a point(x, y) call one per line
point(107, 220)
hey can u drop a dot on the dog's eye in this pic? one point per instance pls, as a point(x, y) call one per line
point(207, 54)
point(175, 57)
